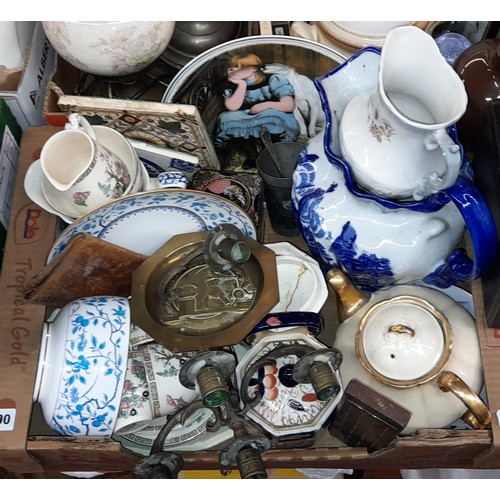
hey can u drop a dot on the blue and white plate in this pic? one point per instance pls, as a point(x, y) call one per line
point(143, 222)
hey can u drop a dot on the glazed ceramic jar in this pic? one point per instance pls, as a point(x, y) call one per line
point(109, 48)
point(479, 68)
point(415, 345)
point(381, 242)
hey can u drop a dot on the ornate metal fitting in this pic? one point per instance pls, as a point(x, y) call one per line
point(208, 372)
point(225, 247)
point(318, 368)
point(245, 450)
point(299, 350)
point(164, 465)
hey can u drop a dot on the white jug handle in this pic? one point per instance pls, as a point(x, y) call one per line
point(78, 122)
point(432, 183)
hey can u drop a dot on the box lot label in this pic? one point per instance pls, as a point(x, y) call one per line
point(7, 419)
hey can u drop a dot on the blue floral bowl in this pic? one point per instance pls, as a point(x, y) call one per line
point(82, 365)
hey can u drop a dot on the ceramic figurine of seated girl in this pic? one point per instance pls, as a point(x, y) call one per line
point(255, 100)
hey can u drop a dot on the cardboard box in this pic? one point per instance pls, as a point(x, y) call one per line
point(10, 138)
point(24, 89)
point(64, 80)
point(25, 452)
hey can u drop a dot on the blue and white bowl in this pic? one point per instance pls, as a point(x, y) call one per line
point(82, 365)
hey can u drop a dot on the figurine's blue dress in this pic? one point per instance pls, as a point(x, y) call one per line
point(242, 124)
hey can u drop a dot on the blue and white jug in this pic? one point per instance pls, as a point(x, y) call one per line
point(378, 240)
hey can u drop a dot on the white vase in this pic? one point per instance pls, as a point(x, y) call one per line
point(395, 137)
point(376, 241)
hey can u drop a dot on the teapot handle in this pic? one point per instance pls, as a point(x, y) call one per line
point(478, 415)
point(459, 268)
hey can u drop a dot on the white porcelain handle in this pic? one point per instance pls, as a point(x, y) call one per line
point(433, 183)
point(78, 122)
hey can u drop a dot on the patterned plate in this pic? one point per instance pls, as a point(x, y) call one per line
point(143, 222)
point(191, 436)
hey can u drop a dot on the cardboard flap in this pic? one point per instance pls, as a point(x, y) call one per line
point(9, 78)
point(29, 239)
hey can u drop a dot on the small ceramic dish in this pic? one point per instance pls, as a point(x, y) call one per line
point(300, 279)
point(82, 366)
point(286, 407)
point(303, 292)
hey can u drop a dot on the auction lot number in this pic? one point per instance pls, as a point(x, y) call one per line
point(7, 419)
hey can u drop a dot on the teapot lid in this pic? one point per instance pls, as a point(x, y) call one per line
point(404, 341)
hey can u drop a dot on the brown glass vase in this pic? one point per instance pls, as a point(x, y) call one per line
point(479, 68)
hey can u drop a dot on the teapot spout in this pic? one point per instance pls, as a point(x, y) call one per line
point(349, 299)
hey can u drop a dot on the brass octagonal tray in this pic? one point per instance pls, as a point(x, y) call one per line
point(188, 302)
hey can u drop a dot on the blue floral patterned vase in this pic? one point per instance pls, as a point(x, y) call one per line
point(377, 241)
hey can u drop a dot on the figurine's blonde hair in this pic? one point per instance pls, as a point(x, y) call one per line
point(243, 61)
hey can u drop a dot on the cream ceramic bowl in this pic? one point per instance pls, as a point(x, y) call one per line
point(109, 48)
point(82, 366)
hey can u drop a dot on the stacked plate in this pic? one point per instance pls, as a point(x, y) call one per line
point(347, 37)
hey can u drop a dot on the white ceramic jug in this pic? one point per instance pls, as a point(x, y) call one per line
point(395, 137)
point(380, 242)
point(80, 173)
